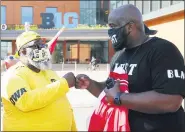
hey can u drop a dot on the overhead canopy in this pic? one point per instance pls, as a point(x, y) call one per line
point(71, 34)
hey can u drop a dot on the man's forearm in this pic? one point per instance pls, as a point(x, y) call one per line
point(151, 102)
point(41, 97)
point(96, 88)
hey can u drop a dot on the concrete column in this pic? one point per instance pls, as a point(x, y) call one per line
point(110, 51)
point(14, 47)
point(78, 51)
point(64, 50)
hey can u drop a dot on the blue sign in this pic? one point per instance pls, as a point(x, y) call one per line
point(48, 20)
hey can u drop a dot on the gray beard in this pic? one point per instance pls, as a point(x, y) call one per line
point(42, 65)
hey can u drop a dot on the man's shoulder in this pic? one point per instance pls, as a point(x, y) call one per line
point(12, 71)
point(51, 73)
point(19, 68)
point(162, 48)
point(163, 44)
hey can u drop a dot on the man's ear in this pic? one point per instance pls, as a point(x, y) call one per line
point(130, 26)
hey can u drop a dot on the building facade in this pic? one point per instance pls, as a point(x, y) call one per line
point(81, 44)
point(15, 13)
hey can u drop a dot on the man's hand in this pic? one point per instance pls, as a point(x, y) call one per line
point(70, 79)
point(111, 93)
point(82, 81)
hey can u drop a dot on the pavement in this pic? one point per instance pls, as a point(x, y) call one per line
point(83, 105)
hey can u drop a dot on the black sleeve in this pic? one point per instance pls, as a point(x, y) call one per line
point(167, 69)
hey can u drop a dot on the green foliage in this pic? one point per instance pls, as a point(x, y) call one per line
point(79, 27)
point(92, 27)
point(34, 27)
point(21, 27)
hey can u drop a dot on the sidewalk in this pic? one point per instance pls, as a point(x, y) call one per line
point(83, 105)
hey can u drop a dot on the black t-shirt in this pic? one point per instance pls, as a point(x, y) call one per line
point(155, 65)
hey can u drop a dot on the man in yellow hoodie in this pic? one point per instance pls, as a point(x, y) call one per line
point(33, 96)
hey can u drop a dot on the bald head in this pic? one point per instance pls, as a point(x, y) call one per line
point(124, 14)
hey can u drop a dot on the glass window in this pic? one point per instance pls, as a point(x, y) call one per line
point(176, 1)
point(165, 3)
point(6, 49)
point(112, 5)
point(85, 4)
point(88, 13)
point(57, 56)
point(146, 7)
point(118, 4)
point(102, 16)
point(82, 16)
point(139, 6)
point(88, 16)
point(155, 5)
point(92, 4)
point(87, 49)
point(125, 2)
point(3, 14)
point(131, 2)
point(93, 17)
point(82, 4)
point(99, 13)
point(27, 15)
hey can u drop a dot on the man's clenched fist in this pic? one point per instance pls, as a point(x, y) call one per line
point(70, 79)
point(82, 81)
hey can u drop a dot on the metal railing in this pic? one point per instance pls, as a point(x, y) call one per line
point(80, 67)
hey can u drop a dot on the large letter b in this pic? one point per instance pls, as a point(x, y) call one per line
point(47, 20)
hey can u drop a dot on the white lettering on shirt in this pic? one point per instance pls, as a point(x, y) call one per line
point(175, 74)
point(122, 68)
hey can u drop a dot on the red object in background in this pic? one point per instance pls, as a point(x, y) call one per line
point(53, 45)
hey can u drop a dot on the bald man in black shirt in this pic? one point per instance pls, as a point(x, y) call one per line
point(151, 78)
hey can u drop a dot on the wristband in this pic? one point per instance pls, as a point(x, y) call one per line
point(110, 83)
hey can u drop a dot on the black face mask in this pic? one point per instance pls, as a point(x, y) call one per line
point(118, 37)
